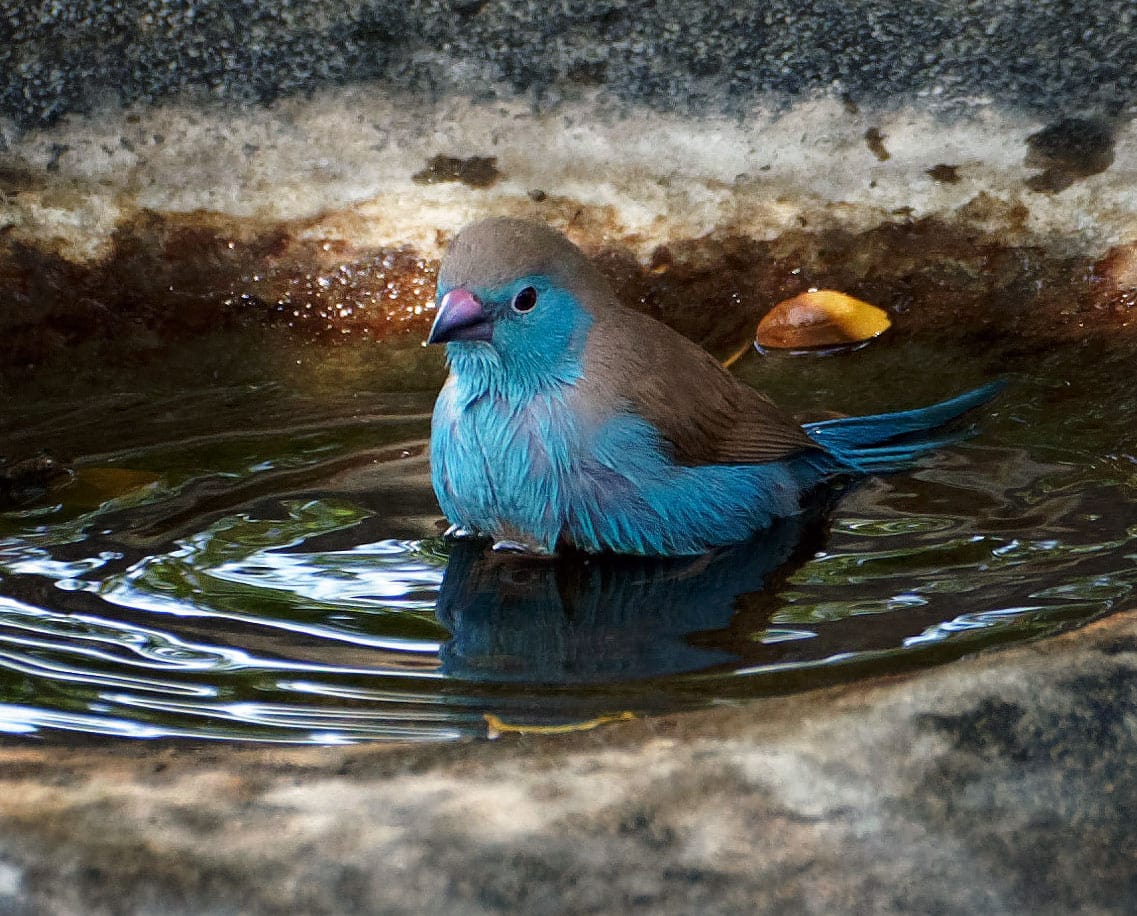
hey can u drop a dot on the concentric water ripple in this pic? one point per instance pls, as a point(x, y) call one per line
point(289, 585)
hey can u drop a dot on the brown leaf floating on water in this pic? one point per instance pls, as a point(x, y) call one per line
point(820, 318)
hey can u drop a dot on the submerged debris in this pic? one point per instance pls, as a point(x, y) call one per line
point(26, 481)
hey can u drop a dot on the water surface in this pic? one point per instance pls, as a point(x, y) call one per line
point(262, 562)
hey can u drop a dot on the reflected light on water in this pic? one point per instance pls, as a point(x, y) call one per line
point(288, 588)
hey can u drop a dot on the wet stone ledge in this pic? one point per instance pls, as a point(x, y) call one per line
point(324, 217)
point(997, 784)
point(169, 278)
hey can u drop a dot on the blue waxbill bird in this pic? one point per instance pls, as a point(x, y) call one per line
point(569, 420)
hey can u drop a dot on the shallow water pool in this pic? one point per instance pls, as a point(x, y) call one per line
point(262, 561)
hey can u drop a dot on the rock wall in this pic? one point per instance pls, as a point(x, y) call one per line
point(168, 166)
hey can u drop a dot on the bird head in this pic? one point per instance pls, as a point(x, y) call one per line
point(518, 296)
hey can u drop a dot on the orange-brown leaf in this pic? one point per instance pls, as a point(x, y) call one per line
point(820, 318)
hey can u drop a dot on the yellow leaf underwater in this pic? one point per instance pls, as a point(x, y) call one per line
point(496, 726)
point(92, 487)
point(820, 318)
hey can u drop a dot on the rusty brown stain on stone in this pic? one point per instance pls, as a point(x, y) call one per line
point(1068, 150)
point(171, 276)
point(1113, 283)
point(948, 174)
point(1010, 217)
point(874, 140)
point(17, 176)
point(168, 277)
point(475, 171)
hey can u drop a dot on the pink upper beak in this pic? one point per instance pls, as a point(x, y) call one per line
point(460, 317)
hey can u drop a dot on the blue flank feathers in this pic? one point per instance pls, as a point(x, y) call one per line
point(544, 436)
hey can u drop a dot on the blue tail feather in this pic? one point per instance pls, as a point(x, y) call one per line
point(890, 441)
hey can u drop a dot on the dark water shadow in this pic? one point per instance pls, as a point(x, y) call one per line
point(582, 619)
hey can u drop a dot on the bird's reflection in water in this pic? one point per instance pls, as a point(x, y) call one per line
point(581, 619)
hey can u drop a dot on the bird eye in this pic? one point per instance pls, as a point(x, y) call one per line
point(525, 300)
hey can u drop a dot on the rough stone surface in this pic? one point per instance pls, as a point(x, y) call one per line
point(999, 784)
point(59, 58)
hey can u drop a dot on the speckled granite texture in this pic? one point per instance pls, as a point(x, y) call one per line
point(1046, 56)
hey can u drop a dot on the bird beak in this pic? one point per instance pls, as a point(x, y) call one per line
point(460, 317)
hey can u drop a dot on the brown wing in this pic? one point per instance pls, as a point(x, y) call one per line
point(707, 415)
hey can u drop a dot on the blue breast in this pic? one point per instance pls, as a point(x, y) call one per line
point(499, 468)
point(537, 471)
